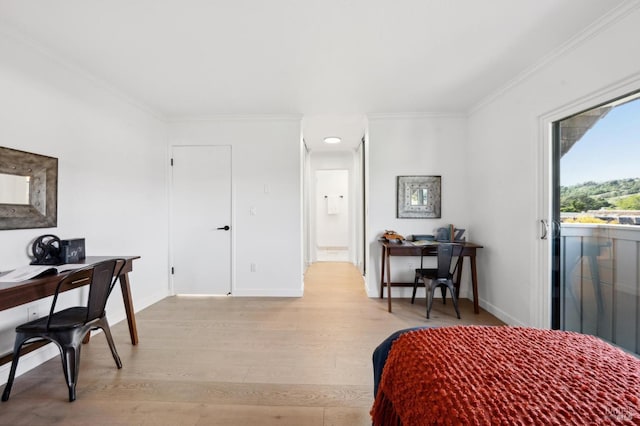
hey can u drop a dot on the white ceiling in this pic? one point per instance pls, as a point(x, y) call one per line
point(331, 61)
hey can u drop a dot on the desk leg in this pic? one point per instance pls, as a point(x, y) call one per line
point(388, 267)
point(474, 284)
point(128, 306)
point(382, 265)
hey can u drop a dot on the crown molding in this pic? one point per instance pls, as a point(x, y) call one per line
point(606, 21)
point(234, 117)
point(415, 115)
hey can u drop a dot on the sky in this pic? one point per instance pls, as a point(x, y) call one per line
point(609, 150)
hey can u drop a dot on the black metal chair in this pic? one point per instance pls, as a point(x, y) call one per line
point(442, 276)
point(67, 328)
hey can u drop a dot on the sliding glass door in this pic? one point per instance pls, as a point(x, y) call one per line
point(596, 222)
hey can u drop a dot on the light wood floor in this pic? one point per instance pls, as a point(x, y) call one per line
point(234, 361)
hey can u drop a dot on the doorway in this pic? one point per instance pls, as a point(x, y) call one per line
point(332, 216)
point(334, 207)
point(335, 226)
point(201, 220)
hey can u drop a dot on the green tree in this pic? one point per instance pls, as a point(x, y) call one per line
point(632, 202)
point(582, 203)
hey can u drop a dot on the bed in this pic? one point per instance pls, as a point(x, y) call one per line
point(503, 375)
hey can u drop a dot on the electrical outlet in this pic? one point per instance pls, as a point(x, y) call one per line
point(253, 267)
point(33, 313)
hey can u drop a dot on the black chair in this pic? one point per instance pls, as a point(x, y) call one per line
point(442, 276)
point(67, 328)
point(422, 271)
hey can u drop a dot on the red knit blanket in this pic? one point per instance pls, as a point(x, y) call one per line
point(506, 375)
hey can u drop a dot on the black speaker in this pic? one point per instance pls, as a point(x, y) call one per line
point(72, 251)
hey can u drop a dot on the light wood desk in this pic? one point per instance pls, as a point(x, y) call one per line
point(14, 294)
point(407, 248)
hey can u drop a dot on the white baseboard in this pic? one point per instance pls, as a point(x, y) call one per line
point(501, 315)
point(276, 292)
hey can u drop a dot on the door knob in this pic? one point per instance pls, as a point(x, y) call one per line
point(224, 228)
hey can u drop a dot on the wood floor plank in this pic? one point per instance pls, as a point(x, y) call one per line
point(235, 361)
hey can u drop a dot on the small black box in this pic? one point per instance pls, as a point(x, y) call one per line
point(72, 251)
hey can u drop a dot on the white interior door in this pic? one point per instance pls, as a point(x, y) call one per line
point(201, 219)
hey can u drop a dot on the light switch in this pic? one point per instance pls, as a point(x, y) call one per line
point(252, 211)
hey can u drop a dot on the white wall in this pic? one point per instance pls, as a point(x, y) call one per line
point(414, 145)
point(111, 176)
point(266, 153)
point(506, 186)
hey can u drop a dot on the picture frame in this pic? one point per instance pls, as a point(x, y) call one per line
point(419, 197)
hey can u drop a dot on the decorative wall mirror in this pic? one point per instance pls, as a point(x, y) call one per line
point(28, 190)
point(419, 197)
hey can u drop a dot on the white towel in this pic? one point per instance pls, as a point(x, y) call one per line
point(333, 204)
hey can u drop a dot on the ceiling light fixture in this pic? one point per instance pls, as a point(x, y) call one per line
point(332, 139)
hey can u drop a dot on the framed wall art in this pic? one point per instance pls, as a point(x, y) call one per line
point(419, 197)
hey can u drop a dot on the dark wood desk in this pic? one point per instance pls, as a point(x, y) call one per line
point(19, 293)
point(407, 248)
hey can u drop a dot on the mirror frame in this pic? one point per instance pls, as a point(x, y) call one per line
point(42, 210)
point(406, 185)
